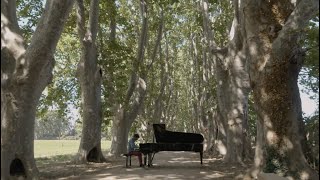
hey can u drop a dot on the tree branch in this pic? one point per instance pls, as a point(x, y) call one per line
point(159, 37)
point(137, 104)
point(8, 11)
point(47, 33)
point(81, 20)
point(12, 43)
point(298, 19)
point(93, 19)
point(140, 54)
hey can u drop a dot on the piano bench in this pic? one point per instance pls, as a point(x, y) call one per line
point(128, 157)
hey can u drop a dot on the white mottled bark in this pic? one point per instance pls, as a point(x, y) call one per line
point(89, 75)
point(275, 62)
point(24, 75)
point(232, 88)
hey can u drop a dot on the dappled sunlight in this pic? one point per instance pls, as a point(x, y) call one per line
point(258, 160)
point(253, 48)
point(304, 175)
point(183, 162)
point(272, 137)
point(221, 147)
point(11, 40)
point(231, 122)
point(278, 15)
point(237, 140)
point(235, 112)
point(270, 176)
point(173, 165)
point(238, 121)
point(288, 143)
point(142, 84)
point(258, 46)
point(263, 95)
point(4, 77)
point(114, 138)
point(180, 158)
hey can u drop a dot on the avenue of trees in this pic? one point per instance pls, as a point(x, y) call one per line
point(226, 69)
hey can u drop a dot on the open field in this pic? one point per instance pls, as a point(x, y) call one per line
point(47, 148)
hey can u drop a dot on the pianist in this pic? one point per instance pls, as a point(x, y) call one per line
point(133, 149)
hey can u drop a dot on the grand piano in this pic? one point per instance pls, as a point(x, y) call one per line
point(171, 141)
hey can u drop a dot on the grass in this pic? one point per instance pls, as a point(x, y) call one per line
point(48, 148)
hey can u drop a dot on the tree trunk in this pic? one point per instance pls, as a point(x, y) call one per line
point(232, 87)
point(130, 111)
point(168, 88)
point(118, 133)
point(158, 105)
point(113, 23)
point(124, 119)
point(275, 63)
point(195, 76)
point(24, 75)
point(89, 75)
point(210, 132)
point(232, 103)
point(220, 134)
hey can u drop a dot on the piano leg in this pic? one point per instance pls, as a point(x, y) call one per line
point(150, 159)
point(201, 155)
point(144, 160)
point(147, 159)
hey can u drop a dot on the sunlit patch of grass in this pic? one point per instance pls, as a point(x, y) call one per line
point(57, 159)
point(64, 166)
point(47, 148)
point(50, 153)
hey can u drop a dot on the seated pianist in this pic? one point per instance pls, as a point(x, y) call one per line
point(133, 149)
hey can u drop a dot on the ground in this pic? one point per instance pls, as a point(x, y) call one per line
point(167, 165)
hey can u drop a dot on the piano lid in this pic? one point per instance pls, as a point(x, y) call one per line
point(164, 136)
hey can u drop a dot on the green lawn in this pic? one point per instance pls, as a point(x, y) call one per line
point(47, 148)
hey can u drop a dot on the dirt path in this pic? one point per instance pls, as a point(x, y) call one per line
point(167, 165)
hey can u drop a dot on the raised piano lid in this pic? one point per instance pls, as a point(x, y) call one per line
point(164, 136)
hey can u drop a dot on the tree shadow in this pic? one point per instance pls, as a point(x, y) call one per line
point(176, 165)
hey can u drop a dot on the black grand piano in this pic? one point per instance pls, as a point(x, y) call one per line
point(171, 141)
